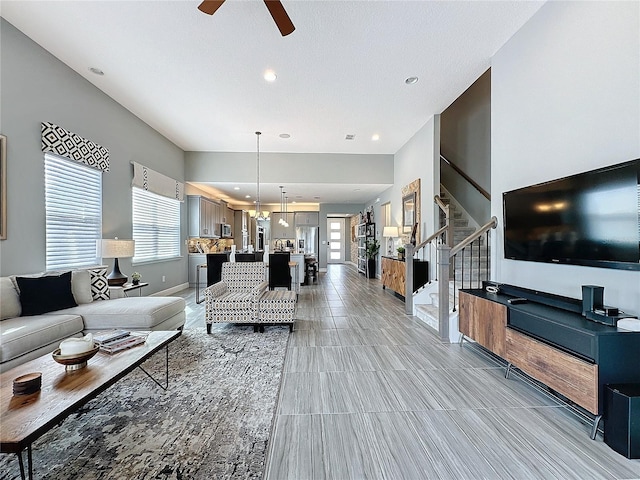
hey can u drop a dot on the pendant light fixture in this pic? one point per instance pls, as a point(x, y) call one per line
point(281, 221)
point(285, 223)
point(259, 215)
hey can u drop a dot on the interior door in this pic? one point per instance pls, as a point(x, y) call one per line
point(335, 243)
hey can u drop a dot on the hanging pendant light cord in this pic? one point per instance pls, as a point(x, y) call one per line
point(258, 211)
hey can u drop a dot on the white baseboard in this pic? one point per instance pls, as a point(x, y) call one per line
point(169, 291)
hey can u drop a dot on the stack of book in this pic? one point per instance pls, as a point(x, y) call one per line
point(117, 340)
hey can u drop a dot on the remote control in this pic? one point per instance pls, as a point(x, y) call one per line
point(515, 301)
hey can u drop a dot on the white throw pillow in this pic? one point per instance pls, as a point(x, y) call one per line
point(81, 286)
point(10, 305)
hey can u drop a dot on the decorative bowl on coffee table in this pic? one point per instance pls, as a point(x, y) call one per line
point(75, 361)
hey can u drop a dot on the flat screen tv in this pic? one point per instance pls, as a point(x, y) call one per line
point(592, 219)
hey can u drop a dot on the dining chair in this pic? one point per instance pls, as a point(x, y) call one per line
point(245, 257)
point(279, 272)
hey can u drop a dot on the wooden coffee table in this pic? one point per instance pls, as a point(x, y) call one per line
point(25, 418)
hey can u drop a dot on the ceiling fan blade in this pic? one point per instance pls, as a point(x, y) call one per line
point(279, 14)
point(210, 6)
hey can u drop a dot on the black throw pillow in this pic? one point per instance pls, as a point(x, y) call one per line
point(45, 294)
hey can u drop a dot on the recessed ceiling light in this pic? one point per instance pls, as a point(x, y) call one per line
point(316, 198)
point(356, 189)
point(411, 80)
point(97, 71)
point(270, 76)
point(375, 137)
point(298, 196)
point(247, 196)
point(236, 188)
point(285, 135)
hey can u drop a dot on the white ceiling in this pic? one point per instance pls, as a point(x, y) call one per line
point(198, 79)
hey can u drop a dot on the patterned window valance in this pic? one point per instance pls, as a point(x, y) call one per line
point(152, 181)
point(56, 139)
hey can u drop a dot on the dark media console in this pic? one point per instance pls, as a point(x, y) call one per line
point(547, 337)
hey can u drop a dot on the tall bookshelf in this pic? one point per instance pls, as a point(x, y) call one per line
point(366, 231)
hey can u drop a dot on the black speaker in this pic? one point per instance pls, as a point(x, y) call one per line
point(622, 418)
point(592, 298)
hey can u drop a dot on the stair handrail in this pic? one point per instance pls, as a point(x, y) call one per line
point(461, 172)
point(431, 238)
point(493, 223)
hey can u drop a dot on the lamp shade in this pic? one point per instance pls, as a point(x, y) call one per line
point(115, 248)
point(390, 232)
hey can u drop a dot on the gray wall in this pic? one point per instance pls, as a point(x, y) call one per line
point(566, 99)
point(465, 128)
point(37, 87)
point(288, 168)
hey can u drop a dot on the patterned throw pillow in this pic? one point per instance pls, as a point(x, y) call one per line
point(99, 284)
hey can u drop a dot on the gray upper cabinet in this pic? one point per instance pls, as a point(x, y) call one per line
point(309, 219)
point(203, 216)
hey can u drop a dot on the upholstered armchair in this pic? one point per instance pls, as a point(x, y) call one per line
point(234, 299)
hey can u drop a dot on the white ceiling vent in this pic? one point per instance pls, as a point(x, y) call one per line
point(350, 136)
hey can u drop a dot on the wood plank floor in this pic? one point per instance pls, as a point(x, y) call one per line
point(370, 393)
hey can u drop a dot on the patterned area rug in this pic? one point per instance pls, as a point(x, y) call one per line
point(213, 422)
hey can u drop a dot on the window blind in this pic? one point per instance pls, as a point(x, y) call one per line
point(73, 205)
point(156, 226)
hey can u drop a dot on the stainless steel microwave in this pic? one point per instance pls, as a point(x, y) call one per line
point(225, 230)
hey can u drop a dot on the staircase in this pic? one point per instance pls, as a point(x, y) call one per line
point(470, 267)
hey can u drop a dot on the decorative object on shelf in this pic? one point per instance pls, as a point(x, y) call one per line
point(390, 233)
point(115, 248)
point(135, 278)
point(372, 248)
point(400, 251)
point(27, 384)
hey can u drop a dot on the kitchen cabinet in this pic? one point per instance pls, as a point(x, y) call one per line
point(202, 217)
point(307, 219)
point(196, 259)
point(279, 231)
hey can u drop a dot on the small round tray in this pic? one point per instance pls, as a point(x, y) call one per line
point(75, 361)
point(27, 384)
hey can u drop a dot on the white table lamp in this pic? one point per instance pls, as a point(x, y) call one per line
point(115, 248)
point(390, 233)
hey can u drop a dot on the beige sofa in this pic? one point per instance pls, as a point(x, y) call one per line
point(23, 338)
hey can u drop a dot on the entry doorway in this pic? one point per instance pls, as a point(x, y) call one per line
point(335, 240)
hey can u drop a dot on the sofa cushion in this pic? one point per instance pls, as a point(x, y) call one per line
point(135, 313)
point(10, 301)
point(45, 294)
point(81, 286)
point(19, 336)
point(99, 284)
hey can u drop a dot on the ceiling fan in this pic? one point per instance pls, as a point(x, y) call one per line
point(277, 11)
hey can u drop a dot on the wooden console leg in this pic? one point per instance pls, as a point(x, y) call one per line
point(255, 328)
point(208, 328)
